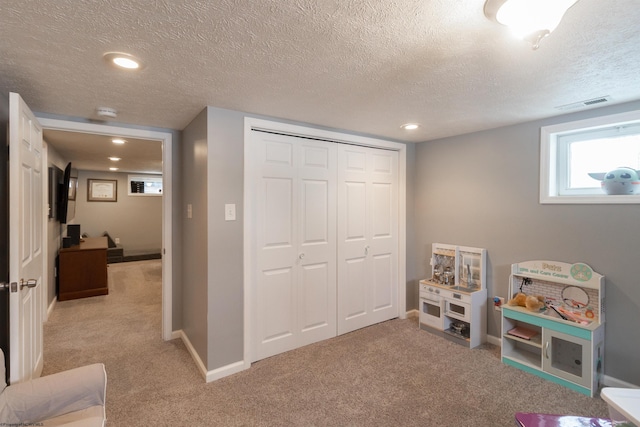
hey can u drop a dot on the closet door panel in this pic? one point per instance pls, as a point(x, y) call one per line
point(316, 241)
point(315, 219)
point(353, 292)
point(353, 229)
point(294, 292)
point(355, 200)
point(277, 199)
point(314, 297)
point(276, 308)
point(367, 232)
point(384, 235)
point(275, 294)
point(383, 296)
point(381, 212)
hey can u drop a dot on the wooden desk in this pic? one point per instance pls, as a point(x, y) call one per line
point(82, 269)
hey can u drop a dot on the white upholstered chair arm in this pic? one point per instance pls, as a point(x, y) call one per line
point(54, 395)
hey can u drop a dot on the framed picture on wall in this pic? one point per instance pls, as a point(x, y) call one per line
point(73, 186)
point(102, 190)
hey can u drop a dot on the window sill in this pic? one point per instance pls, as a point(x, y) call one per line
point(591, 200)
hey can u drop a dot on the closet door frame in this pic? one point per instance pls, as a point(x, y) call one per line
point(250, 125)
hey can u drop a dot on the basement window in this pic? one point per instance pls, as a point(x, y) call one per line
point(145, 185)
point(581, 161)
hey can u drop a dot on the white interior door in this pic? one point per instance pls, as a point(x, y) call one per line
point(295, 276)
point(367, 236)
point(26, 213)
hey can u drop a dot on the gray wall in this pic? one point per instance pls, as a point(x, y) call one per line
point(481, 190)
point(54, 230)
point(414, 271)
point(135, 220)
point(213, 175)
point(194, 238)
point(225, 249)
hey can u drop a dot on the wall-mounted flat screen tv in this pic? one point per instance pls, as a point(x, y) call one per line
point(63, 195)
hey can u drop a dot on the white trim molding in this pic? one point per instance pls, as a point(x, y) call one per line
point(167, 198)
point(551, 154)
point(216, 374)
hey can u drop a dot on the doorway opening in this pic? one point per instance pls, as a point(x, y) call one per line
point(167, 197)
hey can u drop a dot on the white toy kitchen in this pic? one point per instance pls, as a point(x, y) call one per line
point(453, 302)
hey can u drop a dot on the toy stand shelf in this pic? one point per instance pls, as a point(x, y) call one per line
point(570, 350)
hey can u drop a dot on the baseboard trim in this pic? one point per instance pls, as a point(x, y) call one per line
point(216, 374)
point(225, 371)
point(614, 382)
point(192, 351)
point(494, 340)
point(51, 307)
point(413, 313)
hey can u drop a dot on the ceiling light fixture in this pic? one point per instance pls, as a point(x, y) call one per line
point(114, 159)
point(113, 169)
point(530, 20)
point(123, 60)
point(410, 126)
point(118, 140)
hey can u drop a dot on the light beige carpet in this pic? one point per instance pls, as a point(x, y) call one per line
point(391, 374)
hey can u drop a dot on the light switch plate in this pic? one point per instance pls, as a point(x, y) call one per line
point(230, 212)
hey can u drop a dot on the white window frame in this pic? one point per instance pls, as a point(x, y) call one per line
point(149, 178)
point(552, 156)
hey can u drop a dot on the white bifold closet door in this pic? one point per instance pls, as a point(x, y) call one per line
point(367, 236)
point(294, 292)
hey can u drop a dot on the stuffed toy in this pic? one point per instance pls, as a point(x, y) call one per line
point(530, 302)
point(619, 181)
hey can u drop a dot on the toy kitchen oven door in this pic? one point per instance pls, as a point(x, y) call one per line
point(431, 308)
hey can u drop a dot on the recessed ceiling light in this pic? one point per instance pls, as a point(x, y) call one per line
point(123, 60)
point(113, 169)
point(118, 140)
point(410, 126)
point(114, 159)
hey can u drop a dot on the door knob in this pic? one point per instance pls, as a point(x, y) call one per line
point(366, 250)
point(29, 283)
point(301, 256)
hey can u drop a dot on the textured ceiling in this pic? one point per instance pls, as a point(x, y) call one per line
point(362, 65)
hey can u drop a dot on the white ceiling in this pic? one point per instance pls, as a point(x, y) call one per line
point(366, 66)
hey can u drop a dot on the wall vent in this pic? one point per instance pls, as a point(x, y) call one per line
point(586, 103)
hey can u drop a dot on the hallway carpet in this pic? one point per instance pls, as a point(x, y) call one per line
point(390, 374)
